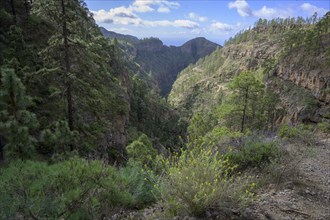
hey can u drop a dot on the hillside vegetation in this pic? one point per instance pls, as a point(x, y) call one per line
point(82, 85)
point(85, 133)
point(289, 56)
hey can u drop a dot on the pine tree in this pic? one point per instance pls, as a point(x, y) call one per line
point(16, 120)
point(81, 72)
point(269, 104)
point(72, 22)
point(243, 105)
point(58, 139)
point(13, 10)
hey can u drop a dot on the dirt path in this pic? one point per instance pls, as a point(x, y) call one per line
point(305, 195)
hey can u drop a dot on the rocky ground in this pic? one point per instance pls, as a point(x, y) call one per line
point(302, 191)
point(303, 195)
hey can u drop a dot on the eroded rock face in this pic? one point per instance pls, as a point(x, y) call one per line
point(120, 123)
point(316, 80)
point(255, 51)
point(304, 70)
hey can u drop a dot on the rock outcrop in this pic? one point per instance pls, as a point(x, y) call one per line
point(315, 76)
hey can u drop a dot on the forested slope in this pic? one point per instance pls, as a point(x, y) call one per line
point(290, 56)
point(76, 81)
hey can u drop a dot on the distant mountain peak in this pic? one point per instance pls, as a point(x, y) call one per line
point(165, 62)
point(112, 34)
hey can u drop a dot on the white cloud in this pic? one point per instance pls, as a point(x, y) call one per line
point(196, 17)
point(244, 10)
point(242, 7)
point(169, 4)
point(119, 15)
point(163, 9)
point(186, 24)
point(311, 9)
point(196, 31)
point(177, 23)
point(164, 6)
point(125, 16)
point(221, 27)
point(159, 23)
point(265, 12)
point(270, 13)
point(142, 6)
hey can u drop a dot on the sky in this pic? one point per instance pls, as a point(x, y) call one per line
point(177, 21)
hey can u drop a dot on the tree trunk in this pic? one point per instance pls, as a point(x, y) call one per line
point(67, 70)
point(13, 103)
point(244, 109)
point(1, 151)
point(27, 8)
point(13, 11)
point(2, 146)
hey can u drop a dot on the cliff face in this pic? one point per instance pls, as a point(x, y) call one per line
point(203, 84)
point(150, 45)
point(303, 69)
point(300, 79)
point(308, 71)
point(313, 80)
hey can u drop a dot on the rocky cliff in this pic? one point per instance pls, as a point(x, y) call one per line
point(309, 71)
point(299, 76)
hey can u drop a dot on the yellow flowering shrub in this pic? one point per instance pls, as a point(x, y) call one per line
point(200, 179)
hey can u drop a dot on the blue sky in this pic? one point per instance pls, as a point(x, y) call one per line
point(176, 21)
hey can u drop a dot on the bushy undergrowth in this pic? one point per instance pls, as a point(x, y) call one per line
point(198, 180)
point(287, 131)
point(301, 133)
point(254, 154)
point(324, 127)
point(141, 150)
point(73, 189)
point(222, 138)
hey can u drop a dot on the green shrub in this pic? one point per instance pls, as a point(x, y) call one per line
point(141, 150)
point(198, 180)
point(75, 188)
point(287, 131)
point(58, 139)
point(136, 181)
point(254, 154)
point(221, 137)
point(299, 134)
point(324, 127)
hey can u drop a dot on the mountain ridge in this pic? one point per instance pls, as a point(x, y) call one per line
point(161, 61)
point(112, 34)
